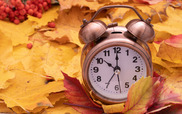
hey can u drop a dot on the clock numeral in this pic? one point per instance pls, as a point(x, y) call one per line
point(96, 69)
point(127, 85)
point(137, 69)
point(116, 87)
point(135, 59)
point(127, 52)
point(99, 78)
point(117, 50)
point(100, 60)
point(107, 53)
point(135, 78)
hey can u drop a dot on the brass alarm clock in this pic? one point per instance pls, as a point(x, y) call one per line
point(114, 57)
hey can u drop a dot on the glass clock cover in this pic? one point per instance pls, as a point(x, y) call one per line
point(113, 70)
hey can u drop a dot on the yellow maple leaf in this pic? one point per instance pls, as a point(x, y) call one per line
point(48, 16)
point(18, 33)
point(113, 108)
point(53, 71)
point(20, 51)
point(173, 23)
point(6, 49)
point(61, 108)
point(69, 26)
point(29, 91)
point(67, 4)
point(5, 76)
point(156, 11)
point(54, 97)
point(170, 53)
point(130, 15)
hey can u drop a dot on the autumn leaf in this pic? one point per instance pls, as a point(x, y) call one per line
point(113, 108)
point(67, 4)
point(61, 108)
point(4, 108)
point(17, 33)
point(170, 53)
point(69, 26)
point(48, 16)
point(5, 76)
point(142, 94)
point(169, 94)
point(171, 25)
point(78, 98)
point(147, 1)
point(29, 91)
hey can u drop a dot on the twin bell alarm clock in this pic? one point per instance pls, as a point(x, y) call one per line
point(115, 57)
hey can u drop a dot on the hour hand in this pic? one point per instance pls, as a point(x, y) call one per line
point(109, 64)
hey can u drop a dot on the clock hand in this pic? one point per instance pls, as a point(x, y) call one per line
point(117, 58)
point(109, 80)
point(119, 83)
point(109, 64)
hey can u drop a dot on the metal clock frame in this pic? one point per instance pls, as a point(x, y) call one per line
point(91, 50)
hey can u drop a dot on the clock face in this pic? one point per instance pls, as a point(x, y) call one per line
point(113, 70)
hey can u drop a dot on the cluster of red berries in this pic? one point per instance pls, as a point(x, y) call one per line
point(16, 10)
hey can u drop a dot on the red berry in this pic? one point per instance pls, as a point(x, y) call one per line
point(11, 14)
point(40, 11)
point(16, 13)
point(2, 8)
point(16, 21)
point(32, 6)
point(29, 45)
point(40, 6)
point(12, 19)
point(7, 9)
point(22, 12)
point(1, 2)
point(13, 2)
point(51, 25)
point(21, 17)
point(28, 2)
point(1, 18)
point(39, 15)
point(30, 12)
point(44, 4)
point(27, 7)
point(46, 8)
point(49, 1)
point(40, 1)
point(21, 6)
point(4, 15)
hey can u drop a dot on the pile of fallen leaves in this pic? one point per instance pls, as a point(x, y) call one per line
point(33, 57)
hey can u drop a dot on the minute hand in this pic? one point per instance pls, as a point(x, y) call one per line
point(117, 58)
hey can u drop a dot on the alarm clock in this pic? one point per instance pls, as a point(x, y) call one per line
point(114, 57)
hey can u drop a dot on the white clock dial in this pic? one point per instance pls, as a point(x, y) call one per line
point(113, 70)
